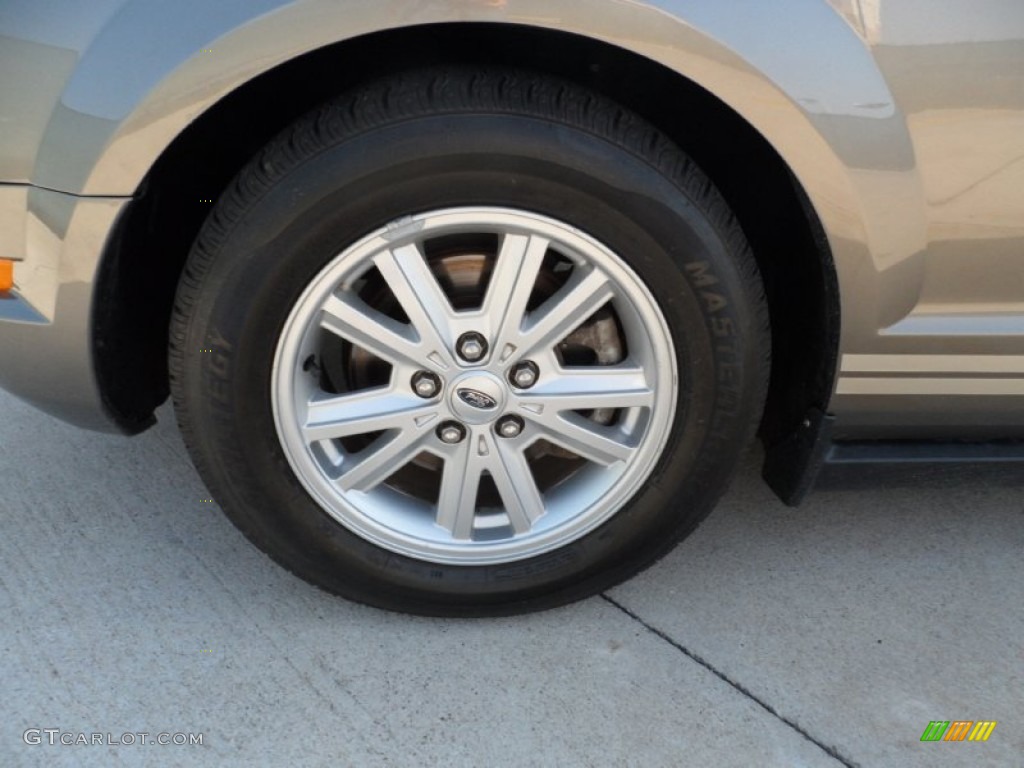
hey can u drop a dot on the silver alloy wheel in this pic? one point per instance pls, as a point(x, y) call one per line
point(347, 444)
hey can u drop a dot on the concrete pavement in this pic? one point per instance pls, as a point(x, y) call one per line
point(823, 636)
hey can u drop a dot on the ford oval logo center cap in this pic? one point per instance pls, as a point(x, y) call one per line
point(477, 399)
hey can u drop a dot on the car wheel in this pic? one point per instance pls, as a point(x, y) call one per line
point(469, 342)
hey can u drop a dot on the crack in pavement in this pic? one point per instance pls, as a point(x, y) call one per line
point(830, 751)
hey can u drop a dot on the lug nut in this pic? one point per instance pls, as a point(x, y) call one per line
point(472, 347)
point(451, 432)
point(524, 375)
point(426, 384)
point(510, 426)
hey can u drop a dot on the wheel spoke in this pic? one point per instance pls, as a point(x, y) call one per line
point(376, 464)
point(564, 312)
point(460, 481)
point(512, 282)
point(370, 411)
point(409, 277)
point(392, 341)
point(591, 389)
point(583, 437)
point(514, 480)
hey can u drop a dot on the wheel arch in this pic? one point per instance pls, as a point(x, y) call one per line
point(792, 233)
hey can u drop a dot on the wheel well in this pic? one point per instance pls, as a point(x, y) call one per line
point(141, 266)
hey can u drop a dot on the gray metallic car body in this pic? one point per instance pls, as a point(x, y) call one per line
point(902, 122)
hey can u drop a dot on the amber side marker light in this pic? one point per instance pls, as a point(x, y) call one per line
point(6, 275)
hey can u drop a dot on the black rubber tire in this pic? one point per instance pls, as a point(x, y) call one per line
point(440, 138)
